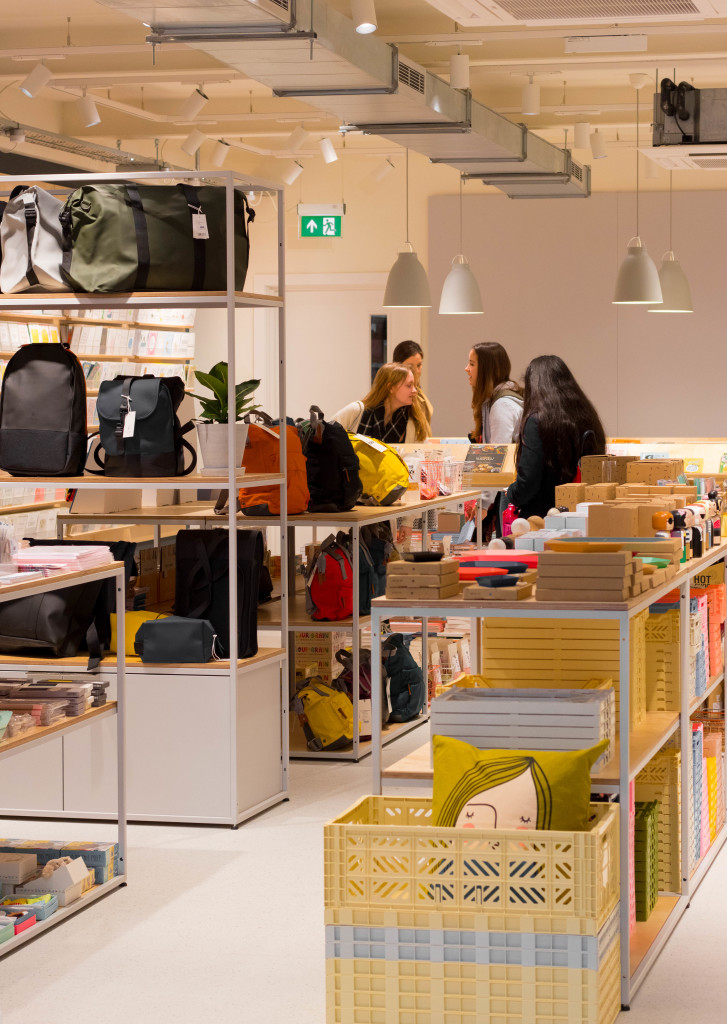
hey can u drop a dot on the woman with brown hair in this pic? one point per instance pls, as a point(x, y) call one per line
point(388, 412)
point(410, 353)
point(497, 400)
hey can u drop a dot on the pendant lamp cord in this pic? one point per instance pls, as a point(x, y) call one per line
point(637, 163)
point(671, 247)
point(407, 197)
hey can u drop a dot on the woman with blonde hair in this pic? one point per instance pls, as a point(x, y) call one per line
point(388, 412)
point(410, 353)
point(497, 400)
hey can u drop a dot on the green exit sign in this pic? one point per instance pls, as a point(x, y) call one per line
point(320, 227)
point(320, 220)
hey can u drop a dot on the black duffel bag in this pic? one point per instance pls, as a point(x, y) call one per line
point(156, 445)
point(132, 237)
point(203, 589)
point(56, 624)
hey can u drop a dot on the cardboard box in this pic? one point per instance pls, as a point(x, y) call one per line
point(592, 468)
point(592, 582)
point(605, 596)
point(449, 522)
point(613, 521)
point(16, 867)
point(68, 882)
point(422, 580)
point(417, 593)
point(623, 559)
point(600, 492)
point(519, 592)
point(314, 653)
point(444, 567)
point(568, 495)
point(650, 471)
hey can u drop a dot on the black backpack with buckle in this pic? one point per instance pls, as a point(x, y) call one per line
point(331, 464)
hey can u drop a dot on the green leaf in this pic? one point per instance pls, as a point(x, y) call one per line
point(219, 370)
point(247, 387)
point(216, 386)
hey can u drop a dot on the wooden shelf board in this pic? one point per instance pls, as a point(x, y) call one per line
point(389, 732)
point(133, 664)
point(193, 480)
point(49, 582)
point(101, 357)
point(18, 316)
point(40, 506)
point(268, 617)
point(42, 731)
point(714, 682)
point(132, 300)
point(645, 933)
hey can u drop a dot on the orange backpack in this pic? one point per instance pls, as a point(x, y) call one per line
point(262, 455)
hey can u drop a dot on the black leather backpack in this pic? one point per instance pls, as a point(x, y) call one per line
point(43, 412)
point(332, 465)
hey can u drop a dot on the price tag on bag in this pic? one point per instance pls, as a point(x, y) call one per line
point(199, 226)
point(129, 424)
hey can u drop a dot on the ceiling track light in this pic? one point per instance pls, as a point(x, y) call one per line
point(459, 71)
point(530, 97)
point(407, 285)
point(87, 111)
point(675, 290)
point(328, 150)
point(14, 135)
point(363, 13)
point(460, 292)
point(193, 141)
point(638, 282)
point(598, 145)
point(220, 153)
point(36, 80)
point(193, 105)
point(297, 138)
point(292, 172)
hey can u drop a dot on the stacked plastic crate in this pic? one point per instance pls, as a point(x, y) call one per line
point(663, 666)
point(429, 925)
point(646, 858)
point(716, 614)
point(695, 820)
point(661, 780)
point(699, 636)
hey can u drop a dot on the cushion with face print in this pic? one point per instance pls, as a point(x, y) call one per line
point(513, 789)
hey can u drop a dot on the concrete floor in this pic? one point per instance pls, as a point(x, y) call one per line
point(227, 927)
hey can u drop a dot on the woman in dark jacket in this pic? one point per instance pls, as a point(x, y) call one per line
point(559, 425)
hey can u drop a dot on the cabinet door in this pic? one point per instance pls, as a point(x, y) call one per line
point(32, 780)
point(259, 736)
point(90, 784)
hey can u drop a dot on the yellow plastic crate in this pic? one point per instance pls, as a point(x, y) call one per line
point(660, 780)
point(384, 854)
point(496, 970)
point(713, 796)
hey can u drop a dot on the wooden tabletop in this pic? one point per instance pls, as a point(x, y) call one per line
point(49, 730)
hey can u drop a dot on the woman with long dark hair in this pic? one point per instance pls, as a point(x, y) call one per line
point(559, 425)
point(497, 400)
point(411, 354)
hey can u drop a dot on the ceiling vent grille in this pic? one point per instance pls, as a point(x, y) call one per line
point(284, 4)
point(587, 10)
point(410, 77)
point(710, 163)
point(576, 171)
point(688, 158)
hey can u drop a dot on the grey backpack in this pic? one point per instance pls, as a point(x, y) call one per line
point(31, 237)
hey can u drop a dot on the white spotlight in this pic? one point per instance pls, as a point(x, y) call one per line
point(291, 172)
point(328, 150)
point(87, 111)
point(459, 71)
point(581, 132)
point(193, 141)
point(363, 13)
point(297, 138)
point(220, 153)
point(531, 98)
point(598, 145)
point(34, 82)
point(193, 104)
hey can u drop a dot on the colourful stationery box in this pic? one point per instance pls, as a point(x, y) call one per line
point(42, 906)
point(7, 931)
point(24, 919)
point(103, 857)
point(16, 866)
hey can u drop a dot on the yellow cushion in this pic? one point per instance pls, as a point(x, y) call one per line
point(133, 622)
point(513, 789)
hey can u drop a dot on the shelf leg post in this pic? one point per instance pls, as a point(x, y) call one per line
point(624, 806)
point(685, 729)
point(287, 530)
point(425, 619)
point(356, 642)
point(377, 696)
point(121, 718)
point(478, 525)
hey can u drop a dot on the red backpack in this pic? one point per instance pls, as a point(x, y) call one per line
point(329, 581)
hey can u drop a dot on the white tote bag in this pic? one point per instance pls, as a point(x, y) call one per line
point(31, 240)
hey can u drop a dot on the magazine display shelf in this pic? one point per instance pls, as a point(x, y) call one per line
point(222, 756)
point(39, 738)
point(636, 747)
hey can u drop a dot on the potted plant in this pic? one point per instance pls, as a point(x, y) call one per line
point(212, 428)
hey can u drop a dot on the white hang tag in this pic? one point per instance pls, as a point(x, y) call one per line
point(129, 424)
point(199, 226)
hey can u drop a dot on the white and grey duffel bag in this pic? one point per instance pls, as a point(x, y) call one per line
point(31, 240)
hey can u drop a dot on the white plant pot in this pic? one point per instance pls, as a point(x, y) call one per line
point(212, 439)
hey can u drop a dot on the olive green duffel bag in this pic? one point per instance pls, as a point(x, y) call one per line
point(157, 238)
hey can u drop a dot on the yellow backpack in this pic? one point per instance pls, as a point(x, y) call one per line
point(325, 713)
point(384, 474)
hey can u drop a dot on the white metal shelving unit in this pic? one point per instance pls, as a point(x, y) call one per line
point(38, 736)
point(635, 747)
point(229, 300)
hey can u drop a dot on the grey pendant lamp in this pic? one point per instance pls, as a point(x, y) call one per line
point(407, 286)
point(675, 290)
point(637, 283)
point(460, 292)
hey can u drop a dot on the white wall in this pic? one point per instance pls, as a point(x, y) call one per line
point(547, 269)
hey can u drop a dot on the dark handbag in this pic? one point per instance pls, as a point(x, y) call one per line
point(55, 624)
point(203, 589)
point(175, 640)
point(155, 444)
point(136, 237)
